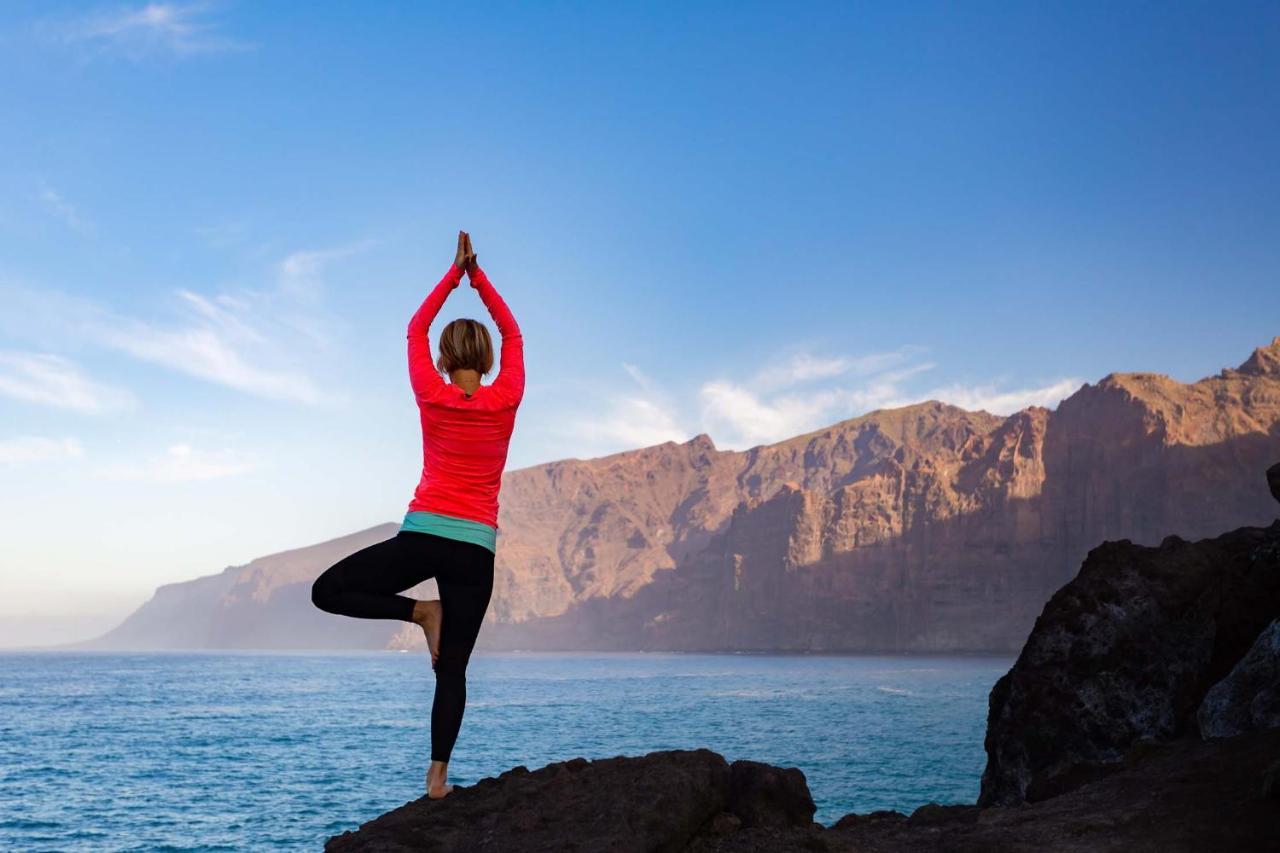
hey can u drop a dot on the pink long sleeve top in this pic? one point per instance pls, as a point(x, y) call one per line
point(464, 436)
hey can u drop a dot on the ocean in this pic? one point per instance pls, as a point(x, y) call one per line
point(203, 751)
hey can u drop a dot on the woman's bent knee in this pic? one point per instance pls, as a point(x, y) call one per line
point(323, 592)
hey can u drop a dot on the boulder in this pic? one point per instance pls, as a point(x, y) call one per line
point(1124, 654)
point(936, 814)
point(1248, 699)
point(764, 795)
point(1185, 795)
point(659, 801)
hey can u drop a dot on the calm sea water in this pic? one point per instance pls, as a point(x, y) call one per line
point(253, 751)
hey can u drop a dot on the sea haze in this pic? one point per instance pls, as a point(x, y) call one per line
point(210, 750)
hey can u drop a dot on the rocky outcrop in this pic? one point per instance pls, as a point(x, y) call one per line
point(1248, 699)
point(1184, 796)
point(656, 802)
point(1187, 795)
point(1144, 645)
point(1123, 654)
point(925, 528)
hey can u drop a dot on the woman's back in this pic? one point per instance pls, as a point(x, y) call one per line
point(464, 452)
point(464, 438)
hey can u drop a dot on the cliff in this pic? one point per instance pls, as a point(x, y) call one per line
point(925, 528)
point(264, 604)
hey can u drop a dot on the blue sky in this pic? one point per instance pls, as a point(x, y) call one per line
point(747, 220)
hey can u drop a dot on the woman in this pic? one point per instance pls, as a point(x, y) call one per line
point(450, 530)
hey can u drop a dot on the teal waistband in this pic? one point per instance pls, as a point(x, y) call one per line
point(463, 529)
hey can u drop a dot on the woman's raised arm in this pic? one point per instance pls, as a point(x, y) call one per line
point(510, 381)
point(423, 375)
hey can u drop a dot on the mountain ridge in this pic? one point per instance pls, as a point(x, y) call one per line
point(920, 528)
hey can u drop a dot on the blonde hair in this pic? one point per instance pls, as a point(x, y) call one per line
point(465, 344)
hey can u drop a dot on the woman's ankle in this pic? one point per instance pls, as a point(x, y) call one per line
point(423, 609)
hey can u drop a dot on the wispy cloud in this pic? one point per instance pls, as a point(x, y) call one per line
point(991, 398)
point(803, 392)
point(300, 271)
point(802, 366)
point(742, 415)
point(298, 297)
point(792, 395)
point(630, 420)
point(253, 340)
point(34, 448)
point(208, 352)
point(180, 463)
point(52, 380)
point(64, 210)
point(179, 29)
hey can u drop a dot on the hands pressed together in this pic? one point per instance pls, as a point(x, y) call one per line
point(465, 259)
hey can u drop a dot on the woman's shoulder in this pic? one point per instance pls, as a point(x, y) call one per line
point(483, 399)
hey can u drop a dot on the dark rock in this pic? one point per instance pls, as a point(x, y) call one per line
point(724, 823)
point(1271, 781)
point(658, 801)
point(1248, 699)
point(870, 817)
point(1186, 795)
point(934, 814)
point(770, 840)
point(1273, 480)
point(764, 795)
point(1124, 653)
point(654, 802)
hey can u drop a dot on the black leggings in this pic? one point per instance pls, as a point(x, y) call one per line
point(365, 585)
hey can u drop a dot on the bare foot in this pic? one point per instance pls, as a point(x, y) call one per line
point(428, 614)
point(436, 787)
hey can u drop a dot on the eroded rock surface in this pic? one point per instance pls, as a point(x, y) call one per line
point(1248, 699)
point(1125, 653)
point(655, 802)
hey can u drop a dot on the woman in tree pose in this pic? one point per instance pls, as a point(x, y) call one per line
point(450, 529)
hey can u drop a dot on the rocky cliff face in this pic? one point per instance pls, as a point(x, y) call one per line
point(926, 528)
point(265, 604)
